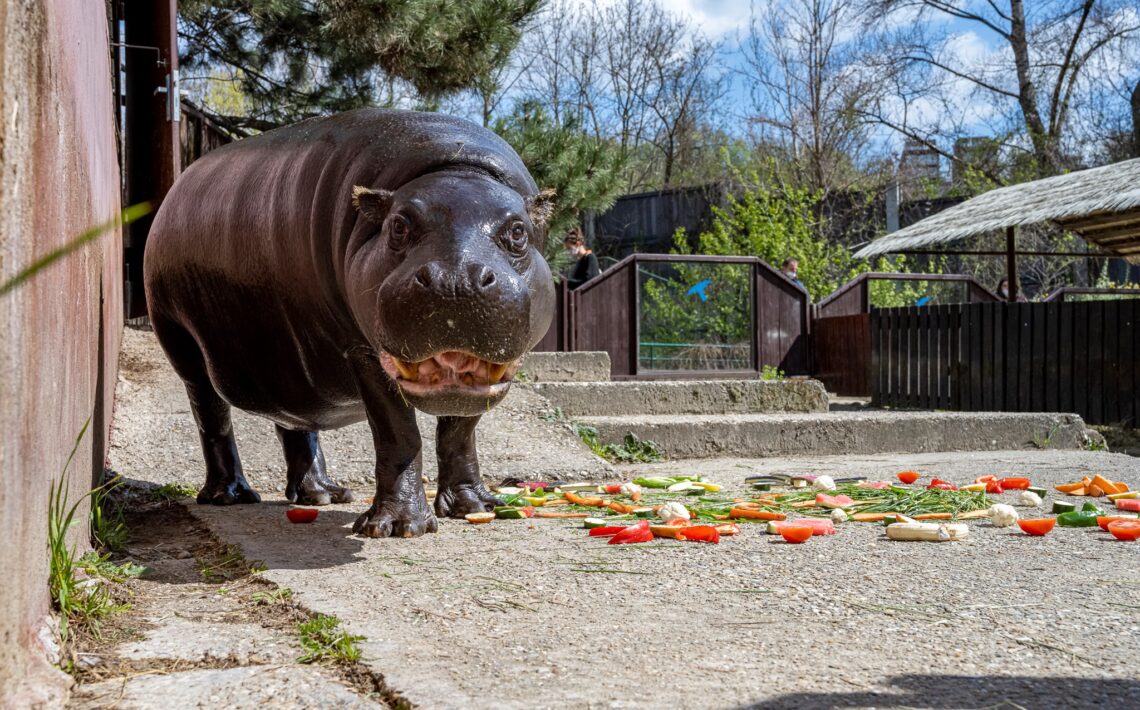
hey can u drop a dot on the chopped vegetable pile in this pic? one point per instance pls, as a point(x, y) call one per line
point(800, 507)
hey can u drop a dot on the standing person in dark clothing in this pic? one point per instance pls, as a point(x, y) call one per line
point(585, 265)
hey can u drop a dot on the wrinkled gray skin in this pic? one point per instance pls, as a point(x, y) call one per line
point(348, 268)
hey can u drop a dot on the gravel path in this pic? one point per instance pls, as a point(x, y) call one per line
point(535, 614)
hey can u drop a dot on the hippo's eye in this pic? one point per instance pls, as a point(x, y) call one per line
point(515, 238)
point(399, 232)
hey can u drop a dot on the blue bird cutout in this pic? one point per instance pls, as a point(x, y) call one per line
point(699, 289)
point(922, 301)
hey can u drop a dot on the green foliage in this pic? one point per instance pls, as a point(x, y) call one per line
point(127, 216)
point(282, 595)
point(771, 372)
point(108, 529)
point(324, 640)
point(298, 58)
point(173, 491)
point(81, 601)
point(632, 449)
point(584, 172)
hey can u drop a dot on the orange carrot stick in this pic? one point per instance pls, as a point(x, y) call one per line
point(755, 514)
point(555, 514)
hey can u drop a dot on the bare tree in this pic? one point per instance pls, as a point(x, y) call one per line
point(807, 84)
point(1041, 73)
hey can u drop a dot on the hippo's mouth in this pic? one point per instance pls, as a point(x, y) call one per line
point(450, 372)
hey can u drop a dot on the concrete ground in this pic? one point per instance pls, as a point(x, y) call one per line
point(534, 614)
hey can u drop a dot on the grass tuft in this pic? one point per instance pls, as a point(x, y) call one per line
point(173, 491)
point(324, 641)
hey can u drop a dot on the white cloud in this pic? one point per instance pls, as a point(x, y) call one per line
point(716, 18)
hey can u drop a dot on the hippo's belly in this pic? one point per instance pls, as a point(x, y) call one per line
point(268, 355)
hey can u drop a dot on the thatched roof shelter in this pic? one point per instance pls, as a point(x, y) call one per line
point(1102, 205)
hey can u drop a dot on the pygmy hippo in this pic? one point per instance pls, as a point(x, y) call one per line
point(347, 268)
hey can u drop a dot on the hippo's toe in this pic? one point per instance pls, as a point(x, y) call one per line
point(232, 493)
point(457, 501)
point(394, 519)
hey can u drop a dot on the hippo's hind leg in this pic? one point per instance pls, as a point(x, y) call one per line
point(225, 482)
point(307, 480)
point(461, 489)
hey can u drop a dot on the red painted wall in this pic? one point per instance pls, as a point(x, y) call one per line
point(59, 175)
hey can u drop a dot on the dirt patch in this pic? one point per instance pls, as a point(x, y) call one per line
point(193, 579)
point(1121, 439)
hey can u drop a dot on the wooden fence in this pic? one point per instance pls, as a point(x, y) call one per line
point(1016, 357)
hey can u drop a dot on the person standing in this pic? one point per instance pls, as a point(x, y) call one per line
point(585, 262)
point(790, 268)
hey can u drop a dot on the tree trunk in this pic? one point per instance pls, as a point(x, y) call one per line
point(1044, 144)
point(1136, 121)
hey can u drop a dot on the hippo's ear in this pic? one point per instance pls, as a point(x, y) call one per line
point(373, 204)
point(540, 207)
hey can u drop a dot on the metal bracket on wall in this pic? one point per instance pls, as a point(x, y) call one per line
point(160, 61)
point(173, 97)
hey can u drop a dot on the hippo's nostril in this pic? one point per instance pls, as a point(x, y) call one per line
point(486, 278)
point(423, 276)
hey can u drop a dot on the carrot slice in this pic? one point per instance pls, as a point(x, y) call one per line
point(1106, 485)
point(579, 500)
point(620, 508)
point(1095, 491)
point(554, 514)
point(932, 516)
point(1072, 488)
point(755, 514)
point(804, 504)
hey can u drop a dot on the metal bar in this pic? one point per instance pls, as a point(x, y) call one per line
point(1011, 264)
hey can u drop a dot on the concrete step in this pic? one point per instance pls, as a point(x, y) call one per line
point(831, 433)
point(580, 366)
point(579, 399)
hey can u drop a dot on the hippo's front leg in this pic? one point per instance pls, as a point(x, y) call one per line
point(461, 489)
point(400, 507)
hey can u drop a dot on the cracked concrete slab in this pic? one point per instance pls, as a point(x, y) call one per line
point(245, 688)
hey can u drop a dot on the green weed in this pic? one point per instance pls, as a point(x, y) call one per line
point(282, 595)
point(554, 415)
point(631, 450)
point(228, 564)
point(771, 372)
point(108, 529)
point(324, 640)
point(82, 601)
point(173, 491)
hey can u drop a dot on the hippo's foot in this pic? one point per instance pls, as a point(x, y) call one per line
point(317, 490)
point(457, 500)
point(396, 518)
point(230, 492)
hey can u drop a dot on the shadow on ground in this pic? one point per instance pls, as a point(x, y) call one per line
point(964, 691)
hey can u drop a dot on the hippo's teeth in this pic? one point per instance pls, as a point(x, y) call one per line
point(408, 372)
point(496, 371)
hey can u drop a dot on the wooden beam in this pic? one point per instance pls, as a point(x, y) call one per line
point(959, 252)
point(1103, 220)
point(1011, 263)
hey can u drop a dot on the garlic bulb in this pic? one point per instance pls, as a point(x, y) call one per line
point(838, 516)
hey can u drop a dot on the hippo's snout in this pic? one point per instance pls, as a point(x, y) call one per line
point(474, 281)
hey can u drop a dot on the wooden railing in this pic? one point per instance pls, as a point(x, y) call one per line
point(855, 295)
point(1069, 294)
point(605, 314)
point(1014, 357)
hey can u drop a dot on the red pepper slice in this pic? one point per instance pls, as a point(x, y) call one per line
point(606, 530)
point(613, 488)
point(985, 479)
point(944, 485)
point(994, 486)
point(1015, 483)
point(699, 533)
point(634, 533)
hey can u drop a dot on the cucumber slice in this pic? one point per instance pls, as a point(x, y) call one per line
point(509, 513)
point(590, 523)
point(1039, 491)
point(1060, 506)
point(762, 486)
point(643, 512)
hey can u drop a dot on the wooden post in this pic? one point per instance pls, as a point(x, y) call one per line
point(1011, 263)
